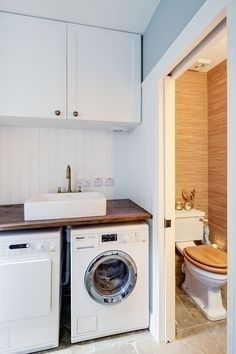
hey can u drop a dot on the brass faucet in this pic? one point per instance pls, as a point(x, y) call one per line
point(68, 176)
point(69, 189)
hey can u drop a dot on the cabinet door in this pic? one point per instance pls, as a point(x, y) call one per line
point(104, 74)
point(32, 67)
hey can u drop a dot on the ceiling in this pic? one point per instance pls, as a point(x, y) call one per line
point(124, 15)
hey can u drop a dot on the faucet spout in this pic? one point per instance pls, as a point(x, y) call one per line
point(68, 176)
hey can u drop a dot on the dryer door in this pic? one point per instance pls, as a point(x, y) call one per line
point(111, 277)
point(25, 289)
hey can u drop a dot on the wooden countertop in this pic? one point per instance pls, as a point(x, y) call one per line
point(118, 210)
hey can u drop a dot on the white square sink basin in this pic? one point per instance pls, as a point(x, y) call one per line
point(64, 205)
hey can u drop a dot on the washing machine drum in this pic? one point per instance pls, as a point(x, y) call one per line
point(111, 277)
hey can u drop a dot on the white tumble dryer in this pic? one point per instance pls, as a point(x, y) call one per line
point(29, 291)
point(109, 280)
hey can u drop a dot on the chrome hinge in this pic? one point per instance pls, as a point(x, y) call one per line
point(167, 223)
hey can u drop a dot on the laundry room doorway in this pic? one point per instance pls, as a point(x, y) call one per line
point(166, 108)
point(187, 90)
point(196, 153)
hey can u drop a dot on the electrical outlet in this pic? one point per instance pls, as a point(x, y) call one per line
point(109, 181)
point(85, 182)
point(98, 182)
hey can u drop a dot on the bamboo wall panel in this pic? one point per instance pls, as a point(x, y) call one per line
point(217, 150)
point(192, 137)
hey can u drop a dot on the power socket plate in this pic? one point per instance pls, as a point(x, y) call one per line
point(109, 181)
point(98, 182)
point(85, 182)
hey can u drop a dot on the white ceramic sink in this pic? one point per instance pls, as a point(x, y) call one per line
point(64, 205)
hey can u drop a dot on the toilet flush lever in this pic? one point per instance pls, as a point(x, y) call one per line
point(204, 220)
point(167, 223)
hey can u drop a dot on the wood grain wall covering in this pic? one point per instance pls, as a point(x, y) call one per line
point(33, 160)
point(217, 150)
point(192, 137)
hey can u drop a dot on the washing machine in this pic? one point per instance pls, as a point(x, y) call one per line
point(109, 280)
point(29, 291)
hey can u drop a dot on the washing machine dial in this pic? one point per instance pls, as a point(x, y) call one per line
point(38, 247)
point(126, 237)
point(52, 248)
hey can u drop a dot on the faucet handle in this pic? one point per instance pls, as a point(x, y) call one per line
point(59, 190)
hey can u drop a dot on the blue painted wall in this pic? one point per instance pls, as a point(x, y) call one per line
point(169, 19)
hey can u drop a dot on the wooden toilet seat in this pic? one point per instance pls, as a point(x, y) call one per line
point(207, 258)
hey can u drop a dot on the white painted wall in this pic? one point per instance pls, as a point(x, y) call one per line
point(166, 24)
point(143, 186)
point(142, 143)
point(34, 160)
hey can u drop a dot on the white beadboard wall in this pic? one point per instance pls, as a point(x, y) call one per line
point(34, 160)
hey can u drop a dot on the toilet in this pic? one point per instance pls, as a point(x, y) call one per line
point(205, 267)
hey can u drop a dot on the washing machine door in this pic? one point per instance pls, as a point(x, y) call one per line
point(111, 277)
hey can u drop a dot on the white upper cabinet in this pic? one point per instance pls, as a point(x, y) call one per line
point(32, 67)
point(85, 76)
point(104, 74)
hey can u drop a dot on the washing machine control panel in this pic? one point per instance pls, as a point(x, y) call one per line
point(123, 237)
point(94, 238)
point(109, 237)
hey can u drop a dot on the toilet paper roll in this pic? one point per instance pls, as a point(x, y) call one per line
point(206, 234)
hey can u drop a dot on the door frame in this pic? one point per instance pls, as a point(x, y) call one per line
point(209, 15)
point(169, 205)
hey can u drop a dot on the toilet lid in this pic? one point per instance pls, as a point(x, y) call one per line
point(208, 256)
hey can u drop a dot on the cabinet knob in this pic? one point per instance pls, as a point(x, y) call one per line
point(57, 112)
point(75, 114)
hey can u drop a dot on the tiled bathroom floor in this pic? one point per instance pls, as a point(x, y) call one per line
point(210, 341)
point(195, 335)
point(189, 319)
